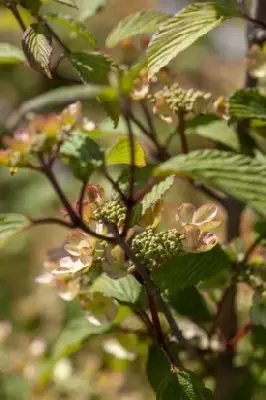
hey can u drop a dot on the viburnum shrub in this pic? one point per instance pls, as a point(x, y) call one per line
point(183, 284)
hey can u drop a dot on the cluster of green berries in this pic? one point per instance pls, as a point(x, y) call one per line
point(112, 211)
point(253, 279)
point(190, 100)
point(154, 249)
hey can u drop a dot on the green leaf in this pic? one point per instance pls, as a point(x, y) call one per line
point(157, 365)
point(182, 31)
point(54, 97)
point(120, 153)
point(215, 130)
point(88, 8)
point(92, 67)
point(74, 26)
point(83, 155)
point(190, 269)
point(142, 22)
point(258, 310)
point(247, 103)
point(182, 385)
point(68, 3)
point(238, 175)
point(10, 224)
point(156, 193)
point(109, 98)
point(10, 54)
point(37, 46)
point(125, 290)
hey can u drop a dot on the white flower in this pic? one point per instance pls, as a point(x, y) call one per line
point(99, 309)
point(112, 346)
point(67, 290)
point(62, 371)
point(68, 266)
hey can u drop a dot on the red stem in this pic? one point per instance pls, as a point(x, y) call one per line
point(240, 334)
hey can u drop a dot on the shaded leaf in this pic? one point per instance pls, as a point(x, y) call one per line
point(190, 269)
point(120, 153)
point(73, 26)
point(125, 290)
point(92, 67)
point(156, 193)
point(157, 365)
point(182, 31)
point(182, 385)
point(10, 54)
point(37, 46)
point(258, 310)
point(109, 98)
point(238, 175)
point(10, 224)
point(83, 155)
point(142, 22)
point(247, 103)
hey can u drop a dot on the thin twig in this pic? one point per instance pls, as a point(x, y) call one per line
point(50, 220)
point(114, 184)
point(81, 199)
point(240, 334)
point(181, 131)
point(252, 248)
point(13, 8)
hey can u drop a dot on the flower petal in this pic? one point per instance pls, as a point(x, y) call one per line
point(207, 242)
point(191, 238)
point(185, 213)
point(99, 309)
point(205, 213)
point(68, 290)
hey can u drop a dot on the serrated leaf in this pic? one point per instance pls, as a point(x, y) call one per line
point(183, 30)
point(88, 8)
point(258, 310)
point(37, 46)
point(158, 367)
point(92, 67)
point(182, 385)
point(157, 192)
point(10, 224)
point(83, 155)
point(247, 103)
point(120, 153)
point(190, 269)
point(216, 130)
point(53, 97)
point(68, 3)
point(142, 22)
point(125, 290)
point(238, 175)
point(74, 26)
point(10, 54)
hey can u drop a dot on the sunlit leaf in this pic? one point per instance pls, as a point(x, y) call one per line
point(37, 46)
point(247, 103)
point(142, 22)
point(87, 8)
point(120, 153)
point(74, 26)
point(238, 175)
point(82, 154)
point(181, 31)
point(189, 270)
point(156, 193)
point(92, 67)
point(10, 54)
point(10, 224)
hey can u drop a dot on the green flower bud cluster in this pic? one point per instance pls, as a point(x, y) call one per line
point(112, 211)
point(253, 279)
point(154, 249)
point(190, 100)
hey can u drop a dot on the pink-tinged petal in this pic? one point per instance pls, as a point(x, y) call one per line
point(207, 241)
point(68, 290)
point(191, 238)
point(205, 213)
point(45, 278)
point(185, 214)
point(66, 262)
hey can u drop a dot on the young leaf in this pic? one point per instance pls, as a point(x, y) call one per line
point(182, 385)
point(142, 22)
point(83, 155)
point(92, 67)
point(247, 103)
point(125, 290)
point(109, 98)
point(74, 26)
point(183, 30)
point(157, 365)
point(10, 54)
point(37, 46)
point(88, 8)
point(258, 310)
point(120, 153)
point(238, 175)
point(190, 269)
point(157, 192)
point(10, 224)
